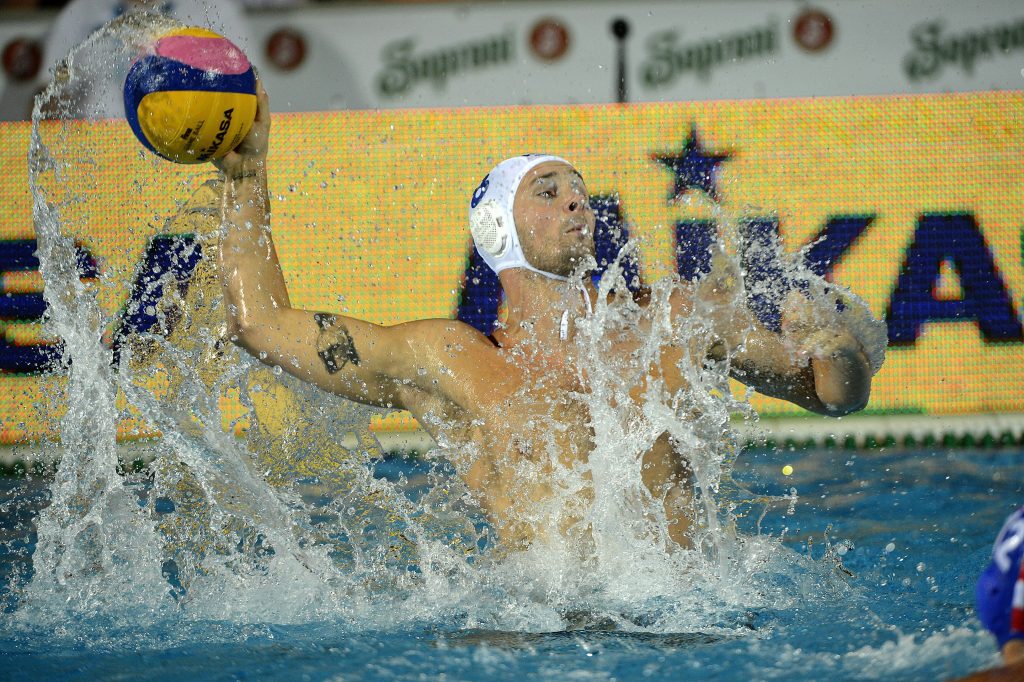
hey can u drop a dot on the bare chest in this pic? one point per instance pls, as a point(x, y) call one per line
point(533, 407)
point(521, 437)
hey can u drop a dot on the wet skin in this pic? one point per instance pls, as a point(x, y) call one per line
point(514, 417)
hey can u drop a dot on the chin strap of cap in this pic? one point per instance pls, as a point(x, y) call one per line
point(563, 327)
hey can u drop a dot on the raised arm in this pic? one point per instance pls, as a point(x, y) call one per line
point(361, 361)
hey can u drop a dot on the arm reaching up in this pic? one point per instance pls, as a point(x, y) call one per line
point(356, 359)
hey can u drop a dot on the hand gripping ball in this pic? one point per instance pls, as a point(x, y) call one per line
point(191, 97)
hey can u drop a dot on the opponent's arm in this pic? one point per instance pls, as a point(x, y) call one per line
point(359, 360)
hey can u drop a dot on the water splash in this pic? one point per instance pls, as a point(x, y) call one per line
point(291, 524)
point(89, 535)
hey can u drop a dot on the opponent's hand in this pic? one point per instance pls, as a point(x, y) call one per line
point(254, 145)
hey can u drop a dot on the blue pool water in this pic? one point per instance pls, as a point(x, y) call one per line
point(282, 557)
point(912, 530)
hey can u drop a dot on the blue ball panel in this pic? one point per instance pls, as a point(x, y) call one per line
point(154, 73)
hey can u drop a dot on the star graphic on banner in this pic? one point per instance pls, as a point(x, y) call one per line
point(693, 166)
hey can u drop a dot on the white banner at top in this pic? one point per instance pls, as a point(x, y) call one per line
point(573, 52)
point(465, 54)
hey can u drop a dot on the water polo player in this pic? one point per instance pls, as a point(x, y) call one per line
point(1000, 590)
point(514, 410)
point(999, 597)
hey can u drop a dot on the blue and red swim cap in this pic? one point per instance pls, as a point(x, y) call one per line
point(1000, 591)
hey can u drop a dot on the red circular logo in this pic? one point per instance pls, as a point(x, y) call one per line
point(549, 40)
point(22, 59)
point(286, 49)
point(813, 30)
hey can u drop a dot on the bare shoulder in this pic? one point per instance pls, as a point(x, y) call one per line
point(442, 334)
point(451, 360)
point(439, 345)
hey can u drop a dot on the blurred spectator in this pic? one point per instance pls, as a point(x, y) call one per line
point(80, 18)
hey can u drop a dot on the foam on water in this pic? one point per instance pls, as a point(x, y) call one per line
point(290, 524)
point(894, 659)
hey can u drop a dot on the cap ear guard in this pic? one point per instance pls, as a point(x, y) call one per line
point(490, 228)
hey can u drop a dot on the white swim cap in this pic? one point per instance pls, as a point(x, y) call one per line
point(490, 214)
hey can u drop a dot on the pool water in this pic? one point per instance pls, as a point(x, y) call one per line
point(881, 549)
point(291, 556)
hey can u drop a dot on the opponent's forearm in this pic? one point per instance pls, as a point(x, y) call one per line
point(254, 286)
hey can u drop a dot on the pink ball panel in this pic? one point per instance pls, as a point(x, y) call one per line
point(209, 54)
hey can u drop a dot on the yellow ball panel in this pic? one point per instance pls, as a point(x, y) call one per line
point(196, 126)
point(197, 31)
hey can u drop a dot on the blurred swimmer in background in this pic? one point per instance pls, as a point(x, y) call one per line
point(1000, 600)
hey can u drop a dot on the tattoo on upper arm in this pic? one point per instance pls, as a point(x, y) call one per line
point(334, 344)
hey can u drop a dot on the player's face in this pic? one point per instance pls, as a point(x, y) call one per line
point(554, 218)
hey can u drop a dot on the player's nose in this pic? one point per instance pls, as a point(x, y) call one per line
point(576, 202)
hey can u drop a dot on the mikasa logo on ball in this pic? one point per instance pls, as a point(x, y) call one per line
point(190, 95)
point(219, 139)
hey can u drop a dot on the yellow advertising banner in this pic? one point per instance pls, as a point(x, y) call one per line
point(915, 203)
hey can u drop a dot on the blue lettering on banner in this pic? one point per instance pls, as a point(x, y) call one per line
point(761, 260)
point(694, 239)
point(610, 235)
point(168, 259)
point(19, 255)
point(481, 294)
point(764, 275)
point(825, 250)
point(953, 238)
